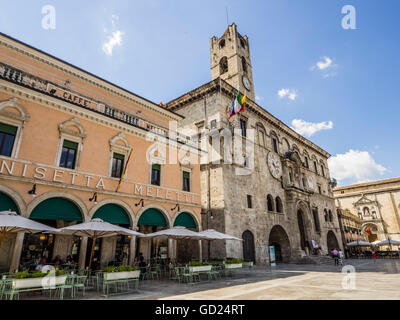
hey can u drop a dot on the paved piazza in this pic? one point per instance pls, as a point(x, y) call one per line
point(289, 281)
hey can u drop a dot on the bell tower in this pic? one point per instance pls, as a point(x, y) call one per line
point(230, 60)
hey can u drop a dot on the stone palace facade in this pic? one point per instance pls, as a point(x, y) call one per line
point(278, 194)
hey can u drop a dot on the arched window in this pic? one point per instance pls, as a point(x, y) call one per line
point(243, 43)
point(330, 216)
point(366, 211)
point(278, 204)
point(222, 44)
point(244, 64)
point(223, 65)
point(326, 215)
point(270, 203)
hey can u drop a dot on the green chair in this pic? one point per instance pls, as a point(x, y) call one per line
point(69, 285)
point(187, 276)
point(80, 283)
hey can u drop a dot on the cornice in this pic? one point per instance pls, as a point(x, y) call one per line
point(65, 67)
point(75, 110)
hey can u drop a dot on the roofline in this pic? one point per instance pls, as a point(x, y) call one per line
point(364, 184)
point(291, 132)
point(89, 73)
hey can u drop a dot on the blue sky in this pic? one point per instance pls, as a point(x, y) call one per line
point(338, 87)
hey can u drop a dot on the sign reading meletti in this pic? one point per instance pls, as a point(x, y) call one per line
point(76, 178)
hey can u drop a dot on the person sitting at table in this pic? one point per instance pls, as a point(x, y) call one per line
point(38, 259)
point(57, 265)
point(57, 258)
point(142, 265)
point(40, 266)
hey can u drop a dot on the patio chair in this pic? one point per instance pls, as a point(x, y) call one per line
point(80, 283)
point(69, 285)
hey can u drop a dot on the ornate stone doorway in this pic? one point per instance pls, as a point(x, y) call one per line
point(280, 240)
point(332, 242)
point(248, 246)
point(300, 221)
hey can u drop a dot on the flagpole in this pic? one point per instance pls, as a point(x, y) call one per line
point(123, 171)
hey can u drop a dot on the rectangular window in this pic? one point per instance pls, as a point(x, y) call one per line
point(7, 138)
point(275, 145)
point(186, 181)
point(156, 174)
point(117, 165)
point(213, 124)
point(322, 171)
point(243, 127)
point(306, 162)
point(249, 202)
point(319, 190)
point(316, 220)
point(68, 155)
point(315, 167)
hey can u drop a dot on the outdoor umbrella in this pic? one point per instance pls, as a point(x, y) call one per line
point(97, 228)
point(215, 235)
point(388, 242)
point(177, 233)
point(11, 222)
point(359, 243)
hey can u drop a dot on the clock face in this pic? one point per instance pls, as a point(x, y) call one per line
point(246, 83)
point(274, 165)
point(310, 181)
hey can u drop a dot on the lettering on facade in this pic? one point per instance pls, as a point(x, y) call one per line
point(17, 168)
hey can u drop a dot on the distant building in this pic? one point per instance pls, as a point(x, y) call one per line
point(374, 208)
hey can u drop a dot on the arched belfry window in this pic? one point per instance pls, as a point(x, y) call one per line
point(222, 44)
point(223, 65)
point(244, 64)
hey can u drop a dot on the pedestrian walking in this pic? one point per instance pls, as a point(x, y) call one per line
point(374, 256)
point(335, 255)
point(341, 257)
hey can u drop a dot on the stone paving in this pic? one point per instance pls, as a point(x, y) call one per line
point(372, 281)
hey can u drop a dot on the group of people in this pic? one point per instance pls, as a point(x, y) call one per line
point(40, 262)
point(338, 256)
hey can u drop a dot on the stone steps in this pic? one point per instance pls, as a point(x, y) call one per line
point(319, 260)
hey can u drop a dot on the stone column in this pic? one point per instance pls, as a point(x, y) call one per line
point(132, 250)
point(16, 255)
point(200, 251)
point(82, 253)
point(171, 249)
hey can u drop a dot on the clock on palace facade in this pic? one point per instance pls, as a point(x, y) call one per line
point(246, 83)
point(274, 165)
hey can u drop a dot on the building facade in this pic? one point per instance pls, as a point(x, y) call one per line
point(65, 137)
point(350, 227)
point(262, 181)
point(376, 205)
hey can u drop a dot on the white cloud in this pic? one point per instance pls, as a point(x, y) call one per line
point(321, 65)
point(357, 166)
point(114, 40)
point(289, 93)
point(310, 128)
point(325, 66)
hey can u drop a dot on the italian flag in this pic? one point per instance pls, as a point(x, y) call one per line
point(237, 103)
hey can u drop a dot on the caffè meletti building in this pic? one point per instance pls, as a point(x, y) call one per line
point(65, 138)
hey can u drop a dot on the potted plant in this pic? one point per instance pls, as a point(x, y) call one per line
point(195, 266)
point(247, 263)
point(25, 279)
point(121, 272)
point(233, 263)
